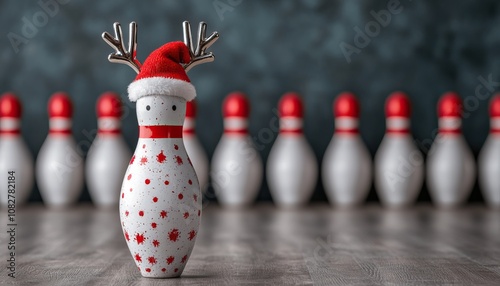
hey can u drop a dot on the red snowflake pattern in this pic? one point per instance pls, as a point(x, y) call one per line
point(173, 235)
point(161, 158)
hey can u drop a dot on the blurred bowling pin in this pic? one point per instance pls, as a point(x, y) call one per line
point(236, 166)
point(195, 150)
point(59, 167)
point(450, 163)
point(109, 155)
point(489, 158)
point(14, 154)
point(399, 165)
point(347, 165)
point(292, 168)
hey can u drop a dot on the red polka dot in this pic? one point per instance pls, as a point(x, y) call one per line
point(176, 147)
point(190, 182)
point(141, 213)
point(153, 225)
point(123, 195)
point(155, 199)
point(186, 215)
point(163, 269)
point(129, 176)
point(126, 213)
point(147, 181)
point(175, 270)
point(181, 196)
point(199, 212)
point(130, 189)
point(148, 269)
point(167, 182)
point(143, 146)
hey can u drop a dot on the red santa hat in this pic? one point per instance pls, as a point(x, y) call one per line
point(163, 74)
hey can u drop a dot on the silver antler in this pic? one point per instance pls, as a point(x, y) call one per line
point(198, 56)
point(121, 55)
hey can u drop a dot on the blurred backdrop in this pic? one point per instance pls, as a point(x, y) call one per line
point(318, 48)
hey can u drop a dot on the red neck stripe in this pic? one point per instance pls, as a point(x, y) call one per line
point(160, 131)
point(291, 131)
point(398, 131)
point(236, 131)
point(10, 132)
point(60, 131)
point(495, 131)
point(109, 131)
point(188, 131)
point(347, 131)
point(449, 131)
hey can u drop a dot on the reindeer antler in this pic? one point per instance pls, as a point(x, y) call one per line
point(121, 55)
point(198, 56)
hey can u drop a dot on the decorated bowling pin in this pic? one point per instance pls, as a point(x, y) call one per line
point(160, 201)
point(292, 168)
point(236, 166)
point(450, 163)
point(399, 169)
point(489, 158)
point(59, 166)
point(347, 164)
point(194, 148)
point(16, 160)
point(108, 157)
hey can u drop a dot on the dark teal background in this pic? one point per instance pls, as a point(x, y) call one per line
point(266, 49)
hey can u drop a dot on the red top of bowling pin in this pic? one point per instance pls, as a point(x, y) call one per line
point(109, 111)
point(291, 111)
point(449, 113)
point(109, 105)
point(191, 109)
point(398, 111)
point(60, 105)
point(10, 106)
point(236, 105)
point(235, 110)
point(495, 114)
point(10, 112)
point(346, 112)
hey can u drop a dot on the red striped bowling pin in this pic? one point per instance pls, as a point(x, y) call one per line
point(489, 158)
point(292, 168)
point(59, 166)
point(399, 165)
point(236, 166)
point(347, 164)
point(108, 157)
point(14, 154)
point(194, 148)
point(451, 168)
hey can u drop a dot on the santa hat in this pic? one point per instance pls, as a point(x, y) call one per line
point(163, 74)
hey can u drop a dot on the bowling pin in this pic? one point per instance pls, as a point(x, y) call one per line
point(59, 166)
point(14, 154)
point(292, 168)
point(347, 164)
point(450, 163)
point(160, 200)
point(236, 166)
point(109, 155)
point(489, 158)
point(194, 148)
point(399, 169)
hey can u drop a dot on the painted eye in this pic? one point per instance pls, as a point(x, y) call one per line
point(148, 107)
point(174, 108)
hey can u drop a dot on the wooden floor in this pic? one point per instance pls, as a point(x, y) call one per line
point(261, 245)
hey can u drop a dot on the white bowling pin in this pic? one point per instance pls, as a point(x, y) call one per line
point(399, 165)
point(109, 155)
point(14, 154)
point(489, 158)
point(59, 166)
point(450, 163)
point(160, 201)
point(292, 168)
point(236, 170)
point(347, 164)
point(194, 148)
